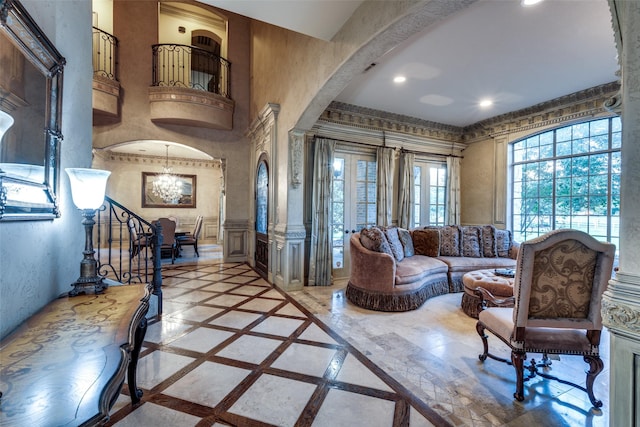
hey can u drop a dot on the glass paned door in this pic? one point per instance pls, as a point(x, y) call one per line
point(353, 203)
point(262, 218)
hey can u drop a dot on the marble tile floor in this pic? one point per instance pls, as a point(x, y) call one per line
point(233, 350)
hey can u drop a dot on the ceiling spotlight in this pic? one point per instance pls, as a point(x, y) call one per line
point(486, 103)
point(399, 79)
point(530, 2)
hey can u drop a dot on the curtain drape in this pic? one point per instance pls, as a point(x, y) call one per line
point(405, 190)
point(385, 185)
point(453, 190)
point(320, 256)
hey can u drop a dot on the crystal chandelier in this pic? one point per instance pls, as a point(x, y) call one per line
point(167, 186)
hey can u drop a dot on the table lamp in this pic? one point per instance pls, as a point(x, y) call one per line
point(87, 190)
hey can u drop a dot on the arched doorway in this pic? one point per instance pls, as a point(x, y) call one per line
point(205, 60)
point(262, 218)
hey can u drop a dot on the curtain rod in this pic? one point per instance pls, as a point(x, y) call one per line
point(395, 148)
point(402, 149)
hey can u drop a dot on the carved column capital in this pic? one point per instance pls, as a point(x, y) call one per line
point(620, 317)
point(621, 304)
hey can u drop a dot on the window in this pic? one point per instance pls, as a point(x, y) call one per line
point(430, 185)
point(568, 178)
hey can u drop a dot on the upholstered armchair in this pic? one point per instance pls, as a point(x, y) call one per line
point(559, 281)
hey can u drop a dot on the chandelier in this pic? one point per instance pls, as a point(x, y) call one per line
point(167, 186)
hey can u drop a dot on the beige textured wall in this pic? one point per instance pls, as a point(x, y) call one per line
point(289, 80)
point(477, 172)
point(103, 15)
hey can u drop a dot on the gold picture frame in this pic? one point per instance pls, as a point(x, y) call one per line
point(150, 200)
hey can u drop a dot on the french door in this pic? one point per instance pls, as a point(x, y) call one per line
point(353, 203)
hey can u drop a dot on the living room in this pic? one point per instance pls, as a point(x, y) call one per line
point(297, 91)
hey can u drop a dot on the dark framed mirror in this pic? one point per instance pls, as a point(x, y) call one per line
point(31, 72)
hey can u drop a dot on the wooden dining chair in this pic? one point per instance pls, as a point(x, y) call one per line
point(191, 239)
point(169, 242)
point(138, 240)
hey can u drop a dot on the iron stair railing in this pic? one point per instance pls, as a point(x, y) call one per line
point(128, 247)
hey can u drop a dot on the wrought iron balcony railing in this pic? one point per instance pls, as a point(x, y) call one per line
point(105, 54)
point(190, 67)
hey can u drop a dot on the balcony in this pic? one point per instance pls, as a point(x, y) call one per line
point(106, 88)
point(190, 87)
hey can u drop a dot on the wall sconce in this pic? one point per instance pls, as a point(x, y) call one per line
point(182, 29)
point(87, 190)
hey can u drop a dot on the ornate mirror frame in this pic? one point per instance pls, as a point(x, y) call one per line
point(21, 197)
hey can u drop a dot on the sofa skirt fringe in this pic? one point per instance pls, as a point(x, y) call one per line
point(396, 301)
point(470, 304)
point(456, 284)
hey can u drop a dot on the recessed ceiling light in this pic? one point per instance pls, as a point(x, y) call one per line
point(530, 2)
point(486, 103)
point(399, 79)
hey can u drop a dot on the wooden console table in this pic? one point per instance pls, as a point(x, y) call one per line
point(66, 364)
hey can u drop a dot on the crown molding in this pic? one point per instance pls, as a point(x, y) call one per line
point(346, 121)
point(142, 160)
point(369, 118)
point(582, 104)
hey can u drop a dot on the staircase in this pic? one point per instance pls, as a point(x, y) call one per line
point(128, 248)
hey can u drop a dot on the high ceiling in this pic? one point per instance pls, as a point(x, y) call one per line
point(497, 49)
point(517, 56)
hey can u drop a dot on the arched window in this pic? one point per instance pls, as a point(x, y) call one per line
point(262, 198)
point(568, 178)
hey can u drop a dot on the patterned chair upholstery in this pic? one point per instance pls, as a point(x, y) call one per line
point(558, 286)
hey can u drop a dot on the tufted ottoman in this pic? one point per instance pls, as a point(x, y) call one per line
point(499, 286)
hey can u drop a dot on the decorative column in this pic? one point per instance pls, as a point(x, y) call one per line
point(621, 302)
point(290, 232)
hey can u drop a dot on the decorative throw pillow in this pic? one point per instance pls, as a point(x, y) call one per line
point(450, 240)
point(426, 242)
point(394, 243)
point(374, 239)
point(407, 243)
point(489, 247)
point(503, 242)
point(471, 241)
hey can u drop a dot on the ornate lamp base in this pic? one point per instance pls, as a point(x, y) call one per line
point(88, 266)
point(80, 286)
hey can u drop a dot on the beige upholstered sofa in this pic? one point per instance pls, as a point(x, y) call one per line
point(393, 269)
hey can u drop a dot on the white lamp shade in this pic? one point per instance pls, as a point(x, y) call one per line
point(6, 121)
point(88, 186)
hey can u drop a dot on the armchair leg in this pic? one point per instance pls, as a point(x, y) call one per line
point(485, 343)
point(517, 359)
point(195, 247)
point(595, 367)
